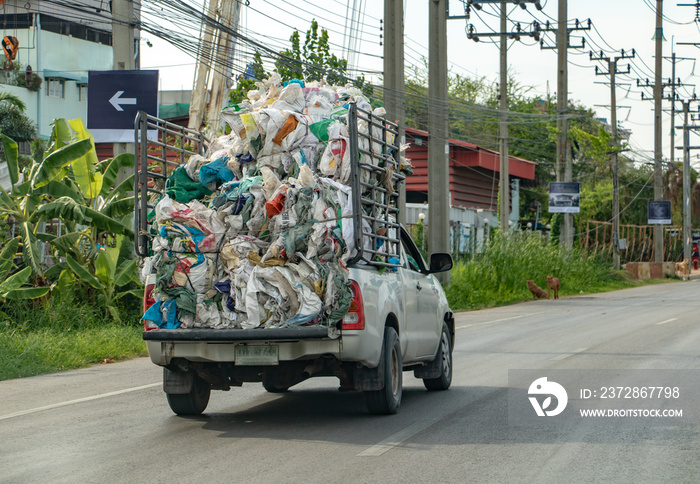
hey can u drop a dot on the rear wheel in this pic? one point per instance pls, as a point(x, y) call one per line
point(388, 399)
point(444, 357)
point(192, 403)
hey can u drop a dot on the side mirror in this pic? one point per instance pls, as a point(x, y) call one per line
point(440, 262)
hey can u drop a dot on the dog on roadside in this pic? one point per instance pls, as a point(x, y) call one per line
point(537, 292)
point(553, 284)
point(683, 268)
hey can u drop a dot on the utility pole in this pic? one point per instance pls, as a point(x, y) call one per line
point(123, 59)
point(504, 35)
point(673, 83)
point(229, 15)
point(394, 89)
point(201, 79)
point(563, 45)
point(658, 154)
point(504, 182)
point(687, 229)
point(687, 210)
point(438, 146)
point(123, 35)
point(566, 238)
point(612, 70)
point(673, 105)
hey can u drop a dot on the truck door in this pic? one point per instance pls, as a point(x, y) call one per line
point(410, 277)
point(425, 324)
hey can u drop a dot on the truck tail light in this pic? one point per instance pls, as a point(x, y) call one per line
point(148, 300)
point(355, 319)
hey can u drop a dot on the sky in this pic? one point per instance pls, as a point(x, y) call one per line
point(618, 24)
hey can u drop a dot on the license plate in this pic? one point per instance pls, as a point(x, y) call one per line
point(251, 355)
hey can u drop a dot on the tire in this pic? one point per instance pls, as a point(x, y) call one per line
point(387, 400)
point(444, 355)
point(192, 403)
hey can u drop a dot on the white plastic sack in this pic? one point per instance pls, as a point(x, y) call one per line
point(290, 99)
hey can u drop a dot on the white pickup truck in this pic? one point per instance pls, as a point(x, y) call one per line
point(399, 319)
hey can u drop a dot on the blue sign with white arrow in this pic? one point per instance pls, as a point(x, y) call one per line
point(114, 98)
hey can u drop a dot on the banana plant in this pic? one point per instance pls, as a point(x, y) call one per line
point(22, 203)
point(90, 201)
point(69, 184)
point(13, 287)
point(111, 280)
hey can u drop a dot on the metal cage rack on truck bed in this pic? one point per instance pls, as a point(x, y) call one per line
point(374, 180)
point(377, 203)
point(155, 160)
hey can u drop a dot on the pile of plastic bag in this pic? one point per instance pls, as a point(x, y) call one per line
point(258, 233)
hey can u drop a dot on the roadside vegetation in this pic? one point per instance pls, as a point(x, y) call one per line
point(497, 276)
point(69, 288)
point(51, 337)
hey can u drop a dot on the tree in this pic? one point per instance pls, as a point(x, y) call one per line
point(314, 61)
point(13, 122)
point(255, 72)
point(290, 65)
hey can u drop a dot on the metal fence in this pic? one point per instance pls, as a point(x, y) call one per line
point(636, 241)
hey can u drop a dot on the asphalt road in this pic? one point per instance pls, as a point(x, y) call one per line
point(111, 423)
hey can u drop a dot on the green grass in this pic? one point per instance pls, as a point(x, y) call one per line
point(497, 276)
point(35, 339)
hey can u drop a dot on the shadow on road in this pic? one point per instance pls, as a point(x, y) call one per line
point(460, 416)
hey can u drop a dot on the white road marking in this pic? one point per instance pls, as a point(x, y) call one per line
point(667, 321)
point(497, 320)
point(398, 438)
point(566, 355)
point(79, 400)
point(487, 322)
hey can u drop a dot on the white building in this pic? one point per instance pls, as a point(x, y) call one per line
point(60, 44)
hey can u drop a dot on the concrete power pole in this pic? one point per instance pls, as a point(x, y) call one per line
point(658, 180)
point(394, 93)
point(612, 71)
point(201, 77)
point(438, 147)
point(123, 59)
point(687, 228)
point(122, 35)
point(504, 182)
point(673, 97)
point(230, 14)
point(566, 238)
point(504, 35)
point(673, 107)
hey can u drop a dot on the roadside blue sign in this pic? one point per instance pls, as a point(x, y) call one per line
point(114, 98)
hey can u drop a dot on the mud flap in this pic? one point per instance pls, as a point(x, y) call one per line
point(177, 383)
point(431, 370)
point(370, 379)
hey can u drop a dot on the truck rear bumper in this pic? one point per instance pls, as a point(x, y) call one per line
point(204, 345)
point(235, 335)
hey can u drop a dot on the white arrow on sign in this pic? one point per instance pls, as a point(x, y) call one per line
point(116, 101)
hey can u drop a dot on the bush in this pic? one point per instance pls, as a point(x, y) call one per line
point(498, 275)
point(42, 338)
